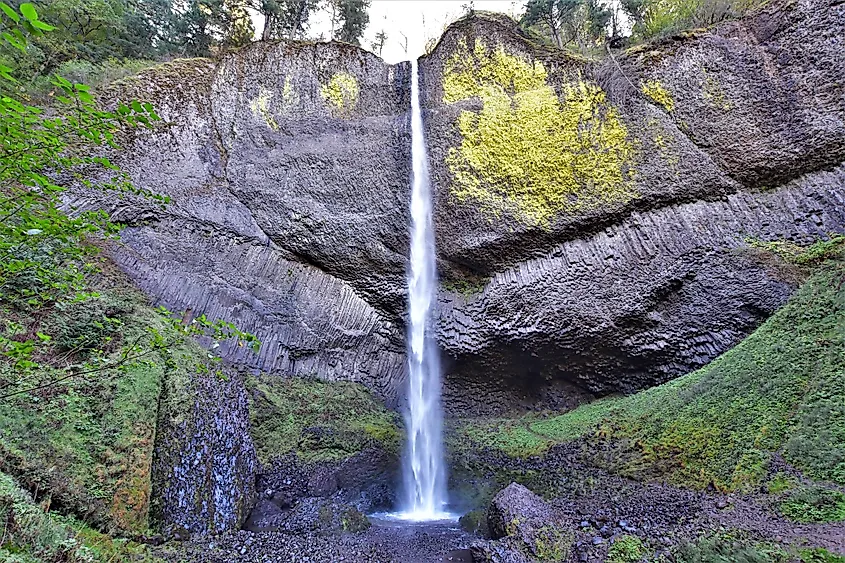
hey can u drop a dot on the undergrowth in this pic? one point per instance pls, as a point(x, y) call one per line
point(813, 504)
point(738, 547)
point(33, 535)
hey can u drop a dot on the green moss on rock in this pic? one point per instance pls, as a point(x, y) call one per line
point(656, 92)
point(317, 420)
point(529, 152)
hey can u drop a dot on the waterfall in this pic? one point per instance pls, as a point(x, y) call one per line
point(423, 465)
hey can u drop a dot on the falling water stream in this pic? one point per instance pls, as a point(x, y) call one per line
point(424, 469)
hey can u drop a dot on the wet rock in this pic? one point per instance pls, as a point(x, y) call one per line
point(506, 550)
point(203, 473)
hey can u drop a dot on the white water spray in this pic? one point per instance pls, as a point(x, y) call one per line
point(423, 467)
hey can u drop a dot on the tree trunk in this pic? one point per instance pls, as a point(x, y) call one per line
point(266, 33)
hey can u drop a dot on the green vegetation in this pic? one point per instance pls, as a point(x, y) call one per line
point(527, 152)
point(626, 549)
point(780, 483)
point(317, 420)
point(811, 255)
point(511, 436)
point(466, 287)
point(586, 26)
point(814, 504)
point(782, 389)
point(738, 547)
point(659, 18)
point(353, 520)
point(552, 544)
point(730, 548)
point(33, 535)
point(819, 555)
point(475, 522)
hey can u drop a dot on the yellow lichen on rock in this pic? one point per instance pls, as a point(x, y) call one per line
point(655, 91)
point(290, 99)
point(341, 93)
point(527, 152)
point(468, 74)
point(260, 107)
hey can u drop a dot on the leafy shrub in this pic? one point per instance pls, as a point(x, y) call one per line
point(90, 324)
point(728, 548)
point(814, 504)
point(353, 520)
point(626, 549)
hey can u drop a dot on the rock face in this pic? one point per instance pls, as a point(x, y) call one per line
point(592, 219)
point(731, 134)
point(203, 474)
point(288, 169)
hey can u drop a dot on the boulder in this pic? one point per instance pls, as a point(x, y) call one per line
point(516, 511)
point(527, 524)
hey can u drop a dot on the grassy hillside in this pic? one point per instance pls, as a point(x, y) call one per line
point(780, 391)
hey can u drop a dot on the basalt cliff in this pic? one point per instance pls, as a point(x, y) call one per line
point(595, 221)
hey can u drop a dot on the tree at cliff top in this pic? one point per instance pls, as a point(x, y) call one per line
point(283, 18)
point(349, 19)
point(580, 22)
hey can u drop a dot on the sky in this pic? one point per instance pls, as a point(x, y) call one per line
point(418, 20)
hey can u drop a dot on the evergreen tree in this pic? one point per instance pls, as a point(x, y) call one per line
point(349, 19)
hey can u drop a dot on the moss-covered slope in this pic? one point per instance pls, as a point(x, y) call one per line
point(317, 420)
point(33, 535)
point(781, 390)
point(84, 444)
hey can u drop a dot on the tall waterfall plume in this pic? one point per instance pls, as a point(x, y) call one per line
point(424, 468)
